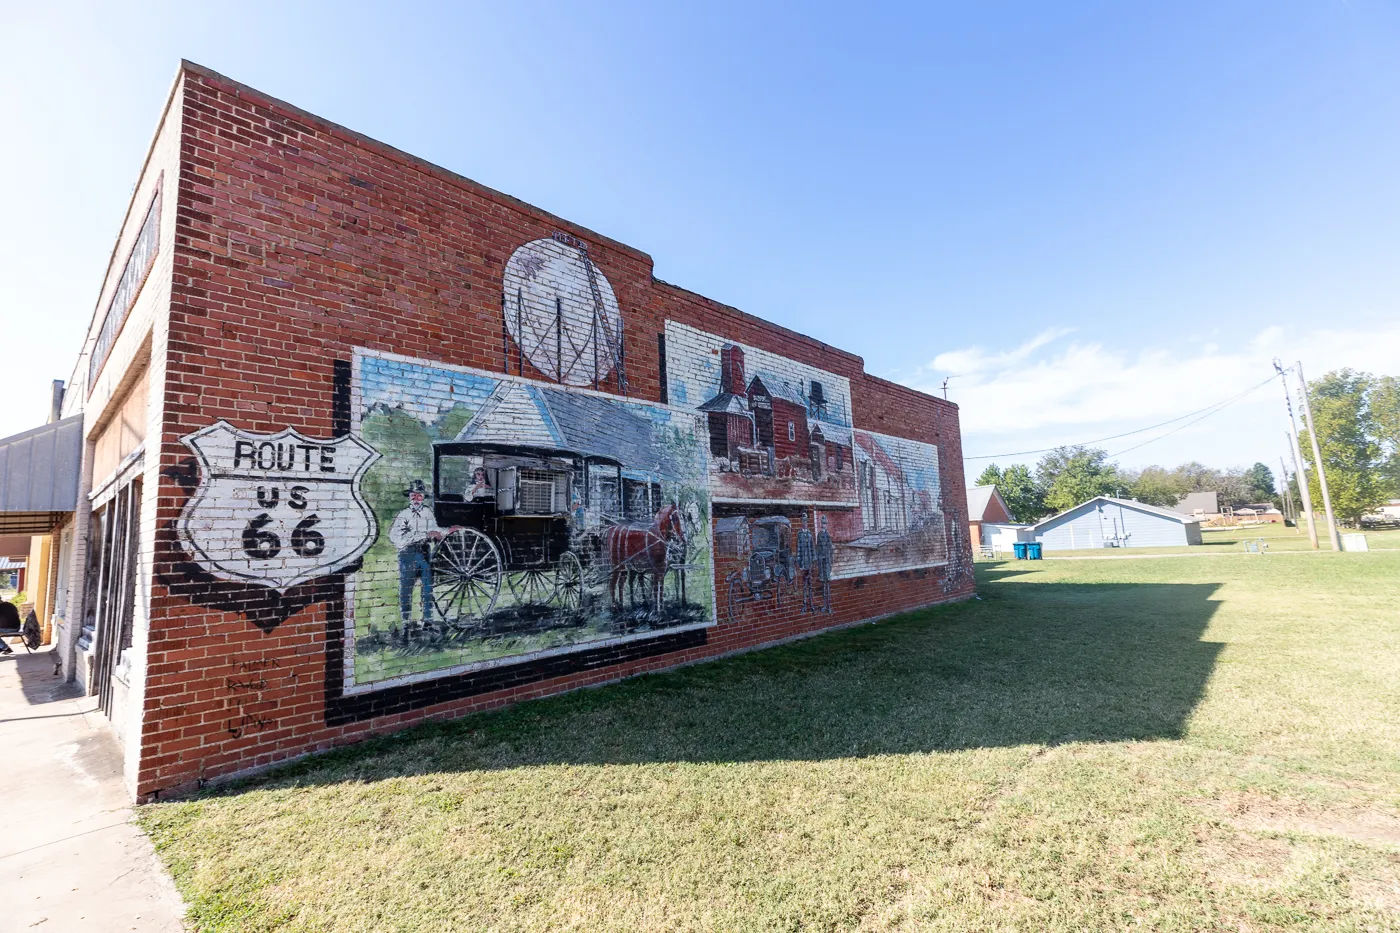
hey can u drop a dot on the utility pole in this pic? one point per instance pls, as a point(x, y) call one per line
point(1317, 458)
point(1303, 492)
point(1289, 508)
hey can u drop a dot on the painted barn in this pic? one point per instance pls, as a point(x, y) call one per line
point(769, 419)
point(1107, 522)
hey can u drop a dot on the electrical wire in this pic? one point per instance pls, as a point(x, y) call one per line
point(1203, 412)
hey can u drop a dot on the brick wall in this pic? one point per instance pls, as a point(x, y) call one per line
point(306, 257)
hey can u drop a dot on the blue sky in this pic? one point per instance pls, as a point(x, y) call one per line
point(1094, 216)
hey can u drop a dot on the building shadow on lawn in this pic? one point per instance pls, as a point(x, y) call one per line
point(1029, 663)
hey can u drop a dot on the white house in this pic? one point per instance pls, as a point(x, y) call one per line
point(1108, 522)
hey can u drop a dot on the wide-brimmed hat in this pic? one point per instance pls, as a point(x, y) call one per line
point(418, 487)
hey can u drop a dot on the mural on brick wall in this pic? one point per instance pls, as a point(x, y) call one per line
point(898, 523)
point(802, 498)
point(775, 429)
point(519, 519)
point(561, 312)
point(771, 557)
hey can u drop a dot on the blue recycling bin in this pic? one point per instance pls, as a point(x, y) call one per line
point(1019, 547)
point(1033, 550)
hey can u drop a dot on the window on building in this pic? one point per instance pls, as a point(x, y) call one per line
point(65, 556)
point(111, 586)
point(605, 494)
point(661, 366)
point(792, 431)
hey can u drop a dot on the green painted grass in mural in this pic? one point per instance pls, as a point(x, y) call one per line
point(1170, 744)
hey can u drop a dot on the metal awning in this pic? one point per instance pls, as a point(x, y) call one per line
point(39, 472)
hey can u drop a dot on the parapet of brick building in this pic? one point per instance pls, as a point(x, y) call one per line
point(416, 448)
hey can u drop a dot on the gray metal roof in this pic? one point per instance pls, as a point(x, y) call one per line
point(1208, 502)
point(39, 469)
point(1125, 503)
point(978, 498)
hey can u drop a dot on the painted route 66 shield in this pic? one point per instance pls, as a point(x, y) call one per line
point(277, 509)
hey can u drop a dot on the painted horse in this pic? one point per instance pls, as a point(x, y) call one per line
point(639, 551)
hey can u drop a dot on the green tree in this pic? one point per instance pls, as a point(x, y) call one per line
point(1385, 415)
point(1023, 495)
point(1157, 486)
point(1071, 475)
point(1024, 498)
point(1260, 480)
point(1347, 434)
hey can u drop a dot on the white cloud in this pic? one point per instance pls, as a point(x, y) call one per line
point(1046, 391)
point(974, 360)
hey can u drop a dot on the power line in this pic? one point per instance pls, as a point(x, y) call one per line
point(1203, 412)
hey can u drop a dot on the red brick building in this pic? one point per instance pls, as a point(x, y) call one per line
point(349, 417)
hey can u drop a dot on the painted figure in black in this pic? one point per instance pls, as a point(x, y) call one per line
point(826, 552)
point(806, 561)
point(412, 532)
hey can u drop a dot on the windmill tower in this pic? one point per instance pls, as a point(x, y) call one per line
point(561, 312)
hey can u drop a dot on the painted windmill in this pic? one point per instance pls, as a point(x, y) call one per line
point(561, 312)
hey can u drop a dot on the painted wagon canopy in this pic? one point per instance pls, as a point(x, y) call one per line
point(569, 423)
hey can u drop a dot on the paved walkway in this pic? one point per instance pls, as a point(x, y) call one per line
point(69, 857)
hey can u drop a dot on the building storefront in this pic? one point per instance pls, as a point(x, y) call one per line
point(365, 442)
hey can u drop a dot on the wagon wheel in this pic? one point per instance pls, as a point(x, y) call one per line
point(568, 582)
point(466, 576)
point(782, 583)
point(736, 594)
point(531, 587)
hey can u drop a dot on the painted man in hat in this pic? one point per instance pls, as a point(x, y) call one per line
point(411, 531)
point(826, 554)
point(806, 562)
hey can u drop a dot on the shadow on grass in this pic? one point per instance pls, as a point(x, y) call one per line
point(1029, 663)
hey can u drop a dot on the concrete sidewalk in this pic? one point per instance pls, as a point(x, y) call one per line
point(69, 857)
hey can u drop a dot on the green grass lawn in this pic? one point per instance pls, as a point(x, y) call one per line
point(1094, 745)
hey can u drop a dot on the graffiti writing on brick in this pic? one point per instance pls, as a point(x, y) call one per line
point(248, 711)
point(276, 509)
point(519, 519)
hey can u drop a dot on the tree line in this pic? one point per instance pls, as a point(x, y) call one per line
point(1357, 416)
point(1358, 426)
point(1067, 476)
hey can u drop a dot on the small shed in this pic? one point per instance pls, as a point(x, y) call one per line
point(1108, 522)
point(1000, 537)
point(984, 504)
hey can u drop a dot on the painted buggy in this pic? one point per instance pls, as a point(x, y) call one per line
point(770, 570)
point(526, 519)
point(526, 493)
